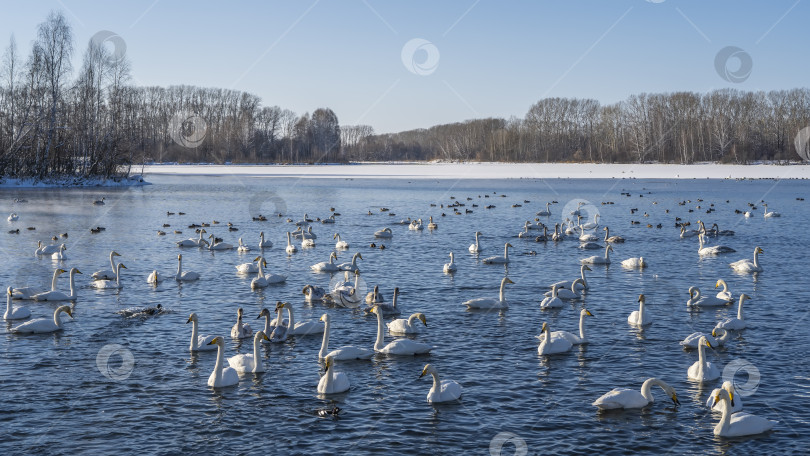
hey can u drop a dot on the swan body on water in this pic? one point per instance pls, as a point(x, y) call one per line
point(384, 233)
point(222, 376)
point(351, 267)
point(28, 293)
point(347, 352)
point(442, 390)
point(640, 317)
point(184, 276)
point(408, 325)
point(326, 266)
point(290, 249)
point(612, 239)
point(263, 280)
point(58, 295)
point(634, 263)
point(402, 347)
point(332, 382)
point(573, 338)
point(491, 303)
point(550, 345)
point(340, 244)
point(724, 294)
point(60, 254)
point(263, 243)
point(110, 284)
point(198, 343)
point(741, 423)
point(702, 370)
point(563, 293)
point(625, 398)
point(476, 248)
point(770, 214)
point(499, 259)
point(450, 267)
point(242, 248)
point(248, 268)
point(598, 259)
point(735, 323)
point(713, 249)
point(107, 274)
point(17, 313)
point(721, 406)
point(553, 301)
point(717, 338)
point(583, 285)
point(697, 300)
point(250, 362)
point(44, 325)
point(241, 330)
point(746, 265)
point(313, 293)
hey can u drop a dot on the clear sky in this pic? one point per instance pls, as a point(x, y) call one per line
point(471, 58)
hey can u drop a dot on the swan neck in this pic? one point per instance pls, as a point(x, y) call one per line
point(501, 292)
point(437, 384)
point(325, 342)
point(193, 334)
point(291, 323)
point(725, 420)
point(740, 308)
point(701, 359)
point(267, 328)
point(72, 291)
point(582, 327)
point(218, 365)
point(646, 389)
point(756, 258)
point(506, 251)
point(8, 305)
point(378, 344)
point(256, 359)
point(56, 319)
point(53, 281)
point(179, 267)
point(607, 252)
point(112, 262)
point(641, 312)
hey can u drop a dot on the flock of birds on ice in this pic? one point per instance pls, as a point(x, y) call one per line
point(733, 422)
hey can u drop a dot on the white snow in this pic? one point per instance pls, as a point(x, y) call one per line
point(477, 170)
point(131, 181)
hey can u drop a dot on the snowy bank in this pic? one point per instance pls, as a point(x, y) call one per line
point(70, 181)
point(477, 170)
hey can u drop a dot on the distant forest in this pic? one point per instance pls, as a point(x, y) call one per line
point(96, 123)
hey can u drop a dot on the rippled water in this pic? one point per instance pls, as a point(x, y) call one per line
point(55, 400)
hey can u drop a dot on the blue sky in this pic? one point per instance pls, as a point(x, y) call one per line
point(492, 58)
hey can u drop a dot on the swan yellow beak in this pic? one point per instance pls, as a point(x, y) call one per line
point(61, 271)
point(264, 336)
point(257, 258)
point(717, 284)
point(508, 280)
point(423, 319)
point(675, 399)
point(544, 328)
point(641, 297)
point(189, 320)
point(79, 272)
point(588, 313)
point(122, 267)
point(359, 256)
point(213, 341)
point(116, 254)
point(69, 312)
point(708, 344)
point(714, 333)
point(588, 268)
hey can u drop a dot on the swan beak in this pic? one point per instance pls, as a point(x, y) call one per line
point(264, 336)
point(123, 267)
point(116, 254)
point(424, 371)
point(716, 399)
point(69, 312)
point(731, 395)
point(62, 271)
point(640, 298)
point(213, 341)
point(714, 333)
point(257, 258)
point(544, 328)
point(189, 320)
point(78, 272)
point(717, 284)
point(676, 401)
point(709, 344)
point(359, 256)
point(588, 313)
point(508, 280)
point(588, 268)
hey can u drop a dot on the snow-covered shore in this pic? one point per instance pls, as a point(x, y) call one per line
point(475, 170)
point(59, 182)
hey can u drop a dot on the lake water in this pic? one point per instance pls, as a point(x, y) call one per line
point(56, 400)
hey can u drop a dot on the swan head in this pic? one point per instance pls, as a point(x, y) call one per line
point(508, 245)
point(672, 394)
point(65, 309)
point(263, 313)
point(359, 256)
point(692, 291)
point(728, 386)
point(179, 257)
point(717, 331)
point(422, 318)
point(759, 250)
point(610, 248)
point(76, 271)
point(329, 362)
point(239, 312)
point(723, 394)
point(719, 282)
point(544, 328)
point(585, 312)
point(506, 280)
point(641, 298)
point(324, 318)
point(218, 341)
point(428, 369)
point(260, 335)
point(192, 317)
point(114, 253)
point(257, 258)
point(120, 265)
point(306, 287)
point(744, 296)
point(704, 341)
point(9, 291)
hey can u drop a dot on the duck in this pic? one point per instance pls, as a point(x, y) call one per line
point(351, 267)
point(491, 303)
point(634, 263)
point(290, 247)
point(247, 362)
point(198, 343)
point(718, 338)
point(44, 325)
point(384, 233)
point(573, 338)
point(58, 295)
point(348, 352)
point(612, 239)
point(499, 259)
point(598, 259)
point(263, 243)
point(110, 284)
point(746, 265)
point(326, 266)
point(99, 202)
point(241, 330)
point(732, 323)
point(340, 244)
point(702, 370)
point(450, 267)
point(407, 325)
point(639, 317)
point(313, 293)
point(550, 345)
point(107, 274)
point(442, 390)
point(625, 398)
point(402, 347)
point(223, 376)
point(14, 313)
point(184, 276)
point(741, 423)
point(696, 300)
point(332, 382)
point(476, 248)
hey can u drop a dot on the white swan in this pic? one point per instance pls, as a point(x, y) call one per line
point(60, 254)
point(290, 247)
point(301, 328)
point(213, 245)
point(44, 325)
point(340, 244)
point(330, 219)
point(583, 285)
point(351, 267)
point(598, 259)
point(347, 295)
point(562, 293)
point(697, 300)
point(107, 274)
point(415, 225)
point(270, 324)
point(222, 376)
point(308, 234)
point(592, 225)
point(639, 317)
point(491, 303)
point(307, 243)
point(14, 313)
point(693, 340)
point(313, 293)
point(688, 233)
point(263, 280)
point(738, 323)
point(746, 265)
point(586, 237)
point(116, 284)
point(58, 295)
point(332, 382)
point(248, 268)
point(702, 370)
point(713, 249)
point(450, 267)
point(48, 249)
point(326, 266)
point(499, 259)
point(553, 301)
point(198, 343)
point(13, 217)
point(736, 403)
point(625, 398)
point(241, 330)
point(242, 248)
point(192, 242)
point(30, 292)
point(407, 325)
point(724, 294)
point(154, 278)
point(771, 214)
point(388, 310)
point(442, 390)
point(546, 212)
point(476, 248)
point(550, 345)
point(343, 353)
point(247, 362)
point(397, 346)
point(384, 233)
point(375, 297)
point(184, 276)
point(634, 263)
point(558, 235)
point(573, 338)
point(612, 239)
point(431, 225)
point(264, 244)
point(741, 423)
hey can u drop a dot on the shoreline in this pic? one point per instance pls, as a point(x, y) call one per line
point(486, 170)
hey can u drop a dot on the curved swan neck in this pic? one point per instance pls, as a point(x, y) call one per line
point(437, 383)
point(501, 292)
point(291, 323)
point(378, 344)
point(647, 386)
point(325, 342)
point(411, 319)
point(53, 281)
point(56, 320)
